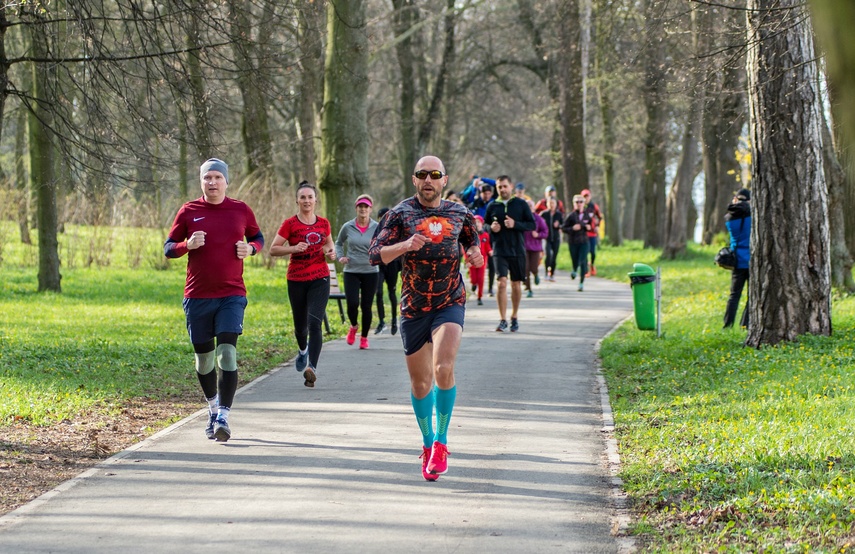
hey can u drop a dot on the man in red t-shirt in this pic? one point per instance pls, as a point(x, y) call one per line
point(216, 233)
point(426, 232)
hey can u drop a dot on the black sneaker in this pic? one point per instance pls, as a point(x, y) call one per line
point(480, 302)
point(503, 327)
point(380, 328)
point(209, 430)
point(394, 329)
point(221, 430)
point(515, 325)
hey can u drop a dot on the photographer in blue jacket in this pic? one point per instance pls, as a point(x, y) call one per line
point(738, 223)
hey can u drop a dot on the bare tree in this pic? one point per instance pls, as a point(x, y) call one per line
point(790, 280)
point(679, 199)
point(653, 60)
point(344, 154)
point(832, 19)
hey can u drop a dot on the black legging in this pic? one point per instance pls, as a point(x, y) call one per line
point(308, 307)
point(359, 291)
point(737, 283)
point(552, 246)
point(491, 273)
point(579, 255)
point(389, 276)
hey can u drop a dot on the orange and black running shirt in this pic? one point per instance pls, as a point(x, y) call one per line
point(430, 276)
point(311, 264)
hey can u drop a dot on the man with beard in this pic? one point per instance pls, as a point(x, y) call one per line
point(427, 232)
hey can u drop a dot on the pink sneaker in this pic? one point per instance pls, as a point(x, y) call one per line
point(438, 463)
point(425, 457)
point(351, 335)
point(363, 343)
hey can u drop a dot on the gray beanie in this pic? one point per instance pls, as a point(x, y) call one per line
point(215, 164)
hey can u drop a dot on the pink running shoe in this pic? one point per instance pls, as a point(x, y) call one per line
point(425, 457)
point(438, 463)
point(363, 343)
point(351, 335)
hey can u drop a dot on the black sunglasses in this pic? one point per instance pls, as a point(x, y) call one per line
point(434, 174)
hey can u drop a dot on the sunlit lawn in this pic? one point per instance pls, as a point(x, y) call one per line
point(726, 448)
point(116, 333)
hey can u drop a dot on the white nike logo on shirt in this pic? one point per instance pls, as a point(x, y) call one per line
point(195, 219)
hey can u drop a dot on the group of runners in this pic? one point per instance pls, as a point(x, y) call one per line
point(424, 233)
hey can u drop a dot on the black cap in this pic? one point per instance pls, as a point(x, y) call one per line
point(743, 194)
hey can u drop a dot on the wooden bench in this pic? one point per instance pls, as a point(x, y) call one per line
point(335, 294)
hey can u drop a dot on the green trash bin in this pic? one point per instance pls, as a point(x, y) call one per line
point(643, 282)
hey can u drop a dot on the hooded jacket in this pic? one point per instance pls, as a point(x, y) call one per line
point(738, 223)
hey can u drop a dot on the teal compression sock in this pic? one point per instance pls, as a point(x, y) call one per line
point(424, 416)
point(444, 406)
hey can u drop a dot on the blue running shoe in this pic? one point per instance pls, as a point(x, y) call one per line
point(209, 430)
point(221, 430)
point(302, 361)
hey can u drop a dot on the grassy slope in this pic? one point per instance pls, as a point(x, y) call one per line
point(727, 448)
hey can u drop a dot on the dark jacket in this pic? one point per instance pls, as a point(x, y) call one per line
point(738, 223)
point(574, 217)
point(509, 242)
point(554, 234)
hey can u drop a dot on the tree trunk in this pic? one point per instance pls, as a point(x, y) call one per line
point(203, 135)
point(344, 153)
point(21, 181)
point(444, 139)
point(790, 276)
point(613, 228)
point(42, 177)
point(572, 108)
point(404, 16)
point(252, 81)
point(833, 20)
point(835, 176)
point(428, 124)
point(680, 196)
point(309, 31)
point(722, 126)
point(655, 135)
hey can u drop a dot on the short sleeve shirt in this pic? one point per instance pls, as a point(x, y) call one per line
point(311, 264)
point(431, 278)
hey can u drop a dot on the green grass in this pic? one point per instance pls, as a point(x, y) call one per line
point(116, 333)
point(726, 448)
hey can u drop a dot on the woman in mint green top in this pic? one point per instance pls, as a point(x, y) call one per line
point(360, 277)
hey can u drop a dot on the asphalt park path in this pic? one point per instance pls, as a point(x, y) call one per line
point(336, 468)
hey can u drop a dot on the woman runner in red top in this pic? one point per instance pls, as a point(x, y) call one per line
point(307, 238)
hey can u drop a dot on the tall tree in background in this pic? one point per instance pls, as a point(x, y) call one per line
point(344, 153)
point(404, 17)
point(833, 22)
point(310, 26)
point(653, 60)
point(723, 117)
point(42, 158)
point(251, 54)
point(790, 280)
point(679, 201)
point(572, 108)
